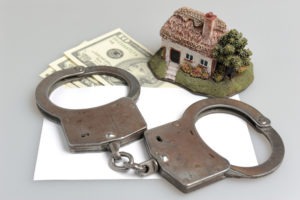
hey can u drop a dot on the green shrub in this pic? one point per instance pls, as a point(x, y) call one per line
point(230, 53)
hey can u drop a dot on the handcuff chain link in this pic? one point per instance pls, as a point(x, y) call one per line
point(123, 161)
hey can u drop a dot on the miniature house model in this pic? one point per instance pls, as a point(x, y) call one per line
point(189, 36)
point(200, 54)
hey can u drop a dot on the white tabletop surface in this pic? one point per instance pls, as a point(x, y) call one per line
point(34, 33)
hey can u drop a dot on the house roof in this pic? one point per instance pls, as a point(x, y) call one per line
point(185, 27)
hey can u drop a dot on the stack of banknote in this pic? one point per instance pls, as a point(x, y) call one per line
point(116, 49)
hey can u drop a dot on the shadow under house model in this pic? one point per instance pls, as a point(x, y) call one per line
point(189, 38)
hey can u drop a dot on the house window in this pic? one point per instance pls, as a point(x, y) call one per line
point(204, 62)
point(189, 57)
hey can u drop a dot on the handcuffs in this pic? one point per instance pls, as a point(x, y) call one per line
point(176, 149)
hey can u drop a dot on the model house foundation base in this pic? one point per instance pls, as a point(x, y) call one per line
point(207, 87)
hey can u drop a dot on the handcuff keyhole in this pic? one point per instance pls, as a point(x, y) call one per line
point(159, 139)
point(83, 135)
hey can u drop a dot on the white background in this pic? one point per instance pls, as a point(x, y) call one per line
point(33, 33)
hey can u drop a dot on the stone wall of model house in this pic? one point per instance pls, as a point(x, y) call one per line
point(178, 54)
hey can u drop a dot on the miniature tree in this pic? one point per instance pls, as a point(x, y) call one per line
point(231, 55)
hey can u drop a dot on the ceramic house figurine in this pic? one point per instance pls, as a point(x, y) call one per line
point(199, 53)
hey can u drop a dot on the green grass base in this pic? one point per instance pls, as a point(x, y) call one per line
point(199, 86)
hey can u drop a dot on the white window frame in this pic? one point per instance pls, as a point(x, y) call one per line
point(189, 57)
point(204, 62)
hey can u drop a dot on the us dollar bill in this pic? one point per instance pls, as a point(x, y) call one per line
point(65, 63)
point(116, 49)
point(50, 71)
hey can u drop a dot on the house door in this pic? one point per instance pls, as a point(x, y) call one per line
point(175, 56)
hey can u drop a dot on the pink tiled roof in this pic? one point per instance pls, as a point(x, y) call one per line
point(185, 27)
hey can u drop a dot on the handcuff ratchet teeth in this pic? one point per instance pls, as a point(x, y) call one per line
point(176, 149)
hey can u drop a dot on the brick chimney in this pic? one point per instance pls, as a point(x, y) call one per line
point(208, 26)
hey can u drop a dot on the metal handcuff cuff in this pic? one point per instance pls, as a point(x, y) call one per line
point(176, 149)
